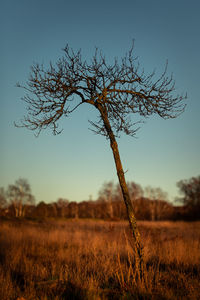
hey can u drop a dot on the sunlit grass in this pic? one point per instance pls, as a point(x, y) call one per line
point(88, 259)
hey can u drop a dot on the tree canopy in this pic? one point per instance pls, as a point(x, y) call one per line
point(121, 87)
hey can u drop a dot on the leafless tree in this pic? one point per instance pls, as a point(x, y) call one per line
point(158, 201)
point(116, 90)
point(135, 190)
point(190, 190)
point(3, 201)
point(20, 195)
point(62, 204)
point(107, 194)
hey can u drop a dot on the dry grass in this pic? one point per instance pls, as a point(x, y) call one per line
point(88, 259)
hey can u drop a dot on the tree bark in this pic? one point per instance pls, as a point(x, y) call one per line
point(120, 173)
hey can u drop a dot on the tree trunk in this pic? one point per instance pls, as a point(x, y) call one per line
point(120, 173)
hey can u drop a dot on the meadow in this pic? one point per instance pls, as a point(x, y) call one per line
point(93, 259)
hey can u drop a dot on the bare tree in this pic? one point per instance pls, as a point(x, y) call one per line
point(62, 204)
point(107, 193)
point(190, 190)
point(20, 196)
point(3, 201)
point(116, 90)
point(158, 201)
point(135, 190)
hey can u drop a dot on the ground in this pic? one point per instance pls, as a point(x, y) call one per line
point(93, 259)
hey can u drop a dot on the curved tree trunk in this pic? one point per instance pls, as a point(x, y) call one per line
point(125, 192)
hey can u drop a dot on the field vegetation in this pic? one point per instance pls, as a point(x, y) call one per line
point(93, 259)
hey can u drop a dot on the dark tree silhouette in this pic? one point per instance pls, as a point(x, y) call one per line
point(190, 190)
point(116, 90)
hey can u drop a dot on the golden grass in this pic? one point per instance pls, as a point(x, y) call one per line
point(88, 259)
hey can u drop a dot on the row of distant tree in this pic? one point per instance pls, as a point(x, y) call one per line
point(149, 203)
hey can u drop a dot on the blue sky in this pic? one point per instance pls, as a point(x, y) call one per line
point(76, 163)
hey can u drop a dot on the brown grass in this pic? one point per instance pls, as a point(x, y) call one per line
point(88, 259)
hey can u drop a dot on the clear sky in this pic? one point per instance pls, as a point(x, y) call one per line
point(76, 163)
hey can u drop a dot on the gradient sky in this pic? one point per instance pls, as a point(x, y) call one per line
point(77, 162)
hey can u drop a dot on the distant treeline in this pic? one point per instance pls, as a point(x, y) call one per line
point(18, 201)
point(145, 209)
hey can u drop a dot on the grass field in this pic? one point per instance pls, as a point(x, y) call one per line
point(89, 259)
